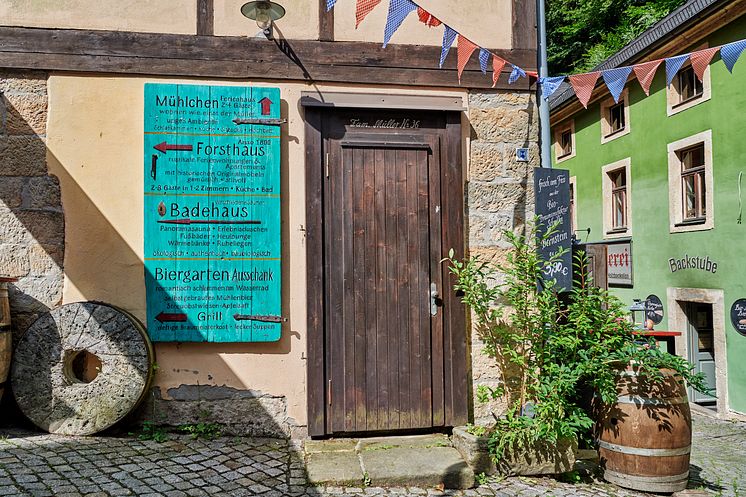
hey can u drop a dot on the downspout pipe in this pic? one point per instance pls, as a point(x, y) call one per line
point(541, 54)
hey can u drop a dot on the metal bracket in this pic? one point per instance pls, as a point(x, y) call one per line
point(263, 122)
point(434, 298)
point(256, 317)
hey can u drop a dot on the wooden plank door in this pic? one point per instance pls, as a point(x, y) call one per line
point(384, 322)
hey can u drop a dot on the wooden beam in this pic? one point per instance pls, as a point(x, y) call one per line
point(524, 25)
point(326, 22)
point(233, 57)
point(205, 17)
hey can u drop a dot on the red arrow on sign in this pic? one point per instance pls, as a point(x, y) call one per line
point(163, 147)
point(266, 104)
point(165, 317)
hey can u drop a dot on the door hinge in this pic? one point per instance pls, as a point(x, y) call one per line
point(329, 392)
point(327, 164)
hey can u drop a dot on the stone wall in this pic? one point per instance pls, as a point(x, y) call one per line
point(32, 226)
point(239, 412)
point(499, 197)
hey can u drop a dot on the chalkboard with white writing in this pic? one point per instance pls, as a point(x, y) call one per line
point(552, 189)
point(738, 316)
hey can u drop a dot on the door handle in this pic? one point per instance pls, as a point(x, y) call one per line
point(435, 299)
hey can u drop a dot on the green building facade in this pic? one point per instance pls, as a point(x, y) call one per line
point(660, 181)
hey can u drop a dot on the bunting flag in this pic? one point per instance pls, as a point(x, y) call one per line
point(448, 36)
point(427, 18)
point(330, 4)
point(583, 84)
point(484, 59)
point(701, 59)
point(673, 64)
point(498, 63)
point(550, 85)
point(398, 11)
point(516, 73)
point(731, 52)
point(363, 8)
point(615, 80)
point(645, 73)
point(464, 49)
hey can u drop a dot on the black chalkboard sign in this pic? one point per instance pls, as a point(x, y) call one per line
point(552, 190)
point(654, 309)
point(738, 316)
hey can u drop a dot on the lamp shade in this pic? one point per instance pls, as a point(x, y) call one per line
point(252, 10)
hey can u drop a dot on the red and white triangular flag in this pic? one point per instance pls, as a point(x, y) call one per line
point(427, 18)
point(464, 51)
point(645, 73)
point(498, 63)
point(363, 8)
point(583, 84)
point(701, 59)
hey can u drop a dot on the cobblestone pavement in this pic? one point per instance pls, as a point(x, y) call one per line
point(33, 464)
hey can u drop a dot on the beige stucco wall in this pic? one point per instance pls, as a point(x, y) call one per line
point(487, 23)
point(95, 147)
point(162, 16)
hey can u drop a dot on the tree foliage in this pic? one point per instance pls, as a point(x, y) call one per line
point(583, 33)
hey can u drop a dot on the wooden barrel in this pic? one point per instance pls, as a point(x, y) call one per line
point(6, 339)
point(645, 438)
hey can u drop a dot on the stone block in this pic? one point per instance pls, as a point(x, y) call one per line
point(520, 171)
point(334, 468)
point(23, 82)
point(14, 260)
point(419, 467)
point(33, 293)
point(22, 156)
point(486, 161)
point(504, 124)
point(46, 227)
point(42, 192)
point(25, 114)
point(500, 98)
point(332, 445)
point(44, 259)
point(494, 198)
point(487, 230)
point(12, 228)
point(11, 191)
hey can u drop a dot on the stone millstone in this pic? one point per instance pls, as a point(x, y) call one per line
point(49, 382)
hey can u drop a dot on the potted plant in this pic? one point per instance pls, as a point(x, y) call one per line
point(555, 353)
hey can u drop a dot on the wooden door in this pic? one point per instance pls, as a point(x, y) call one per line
point(385, 367)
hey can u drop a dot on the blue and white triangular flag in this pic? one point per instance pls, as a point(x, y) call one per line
point(449, 35)
point(398, 11)
point(330, 4)
point(516, 73)
point(615, 80)
point(673, 64)
point(731, 52)
point(484, 59)
point(550, 85)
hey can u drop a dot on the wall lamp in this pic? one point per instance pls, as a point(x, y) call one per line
point(265, 13)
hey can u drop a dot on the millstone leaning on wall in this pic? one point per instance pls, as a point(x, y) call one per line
point(32, 226)
point(499, 197)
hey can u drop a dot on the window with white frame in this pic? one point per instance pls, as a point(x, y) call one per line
point(616, 190)
point(686, 90)
point(615, 117)
point(564, 141)
point(690, 183)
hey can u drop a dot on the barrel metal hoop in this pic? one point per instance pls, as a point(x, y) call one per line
point(649, 401)
point(636, 373)
point(640, 451)
point(651, 479)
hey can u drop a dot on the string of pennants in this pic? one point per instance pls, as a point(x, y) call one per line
point(582, 84)
point(398, 12)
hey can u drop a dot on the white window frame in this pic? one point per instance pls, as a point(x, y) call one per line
point(675, 202)
point(558, 131)
point(673, 92)
point(606, 134)
point(606, 191)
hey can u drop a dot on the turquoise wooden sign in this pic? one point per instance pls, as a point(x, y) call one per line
point(212, 214)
